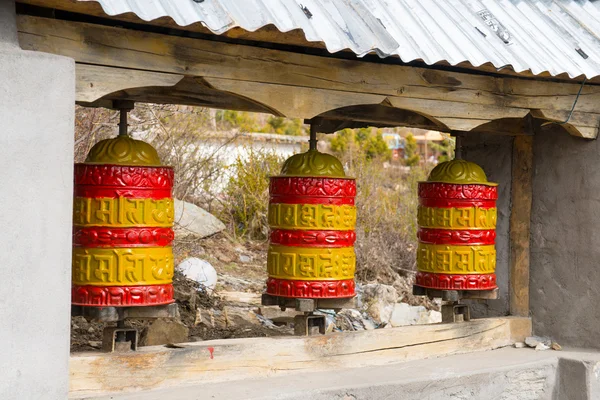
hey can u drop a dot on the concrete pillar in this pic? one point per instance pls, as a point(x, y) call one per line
point(37, 94)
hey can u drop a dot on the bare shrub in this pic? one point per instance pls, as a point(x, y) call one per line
point(386, 217)
point(181, 135)
point(246, 195)
point(91, 126)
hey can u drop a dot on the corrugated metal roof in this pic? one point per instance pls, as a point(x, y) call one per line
point(557, 36)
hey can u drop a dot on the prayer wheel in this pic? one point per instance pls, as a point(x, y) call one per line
point(312, 218)
point(457, 222)
point(123, 227)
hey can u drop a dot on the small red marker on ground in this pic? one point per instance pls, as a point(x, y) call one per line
point(211, 350)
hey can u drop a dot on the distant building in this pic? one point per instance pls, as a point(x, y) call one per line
point(396, 143)
point(423, 145)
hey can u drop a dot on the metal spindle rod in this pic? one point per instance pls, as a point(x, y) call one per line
point(123, 122)
point(458, 147)
point(312, 142)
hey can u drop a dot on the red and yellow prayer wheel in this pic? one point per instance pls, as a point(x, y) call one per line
point(457, 228)
point(312, 218)
point(122, 227)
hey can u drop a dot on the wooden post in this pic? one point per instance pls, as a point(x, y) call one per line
point(520, 218)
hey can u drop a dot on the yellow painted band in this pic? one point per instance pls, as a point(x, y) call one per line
point(443, 259)
point(123, 212)
point(457, 218)
point(311, 264)
point(122, 266)
point(312, 216)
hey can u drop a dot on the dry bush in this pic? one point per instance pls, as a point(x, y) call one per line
point(386, 217)
point(246, 195)
point(91, 126)
point(181, 136)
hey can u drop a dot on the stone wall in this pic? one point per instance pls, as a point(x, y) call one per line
point(565, 239)
point(494, 154)
point(37, 95)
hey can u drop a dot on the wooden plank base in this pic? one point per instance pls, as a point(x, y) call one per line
point(234, 359)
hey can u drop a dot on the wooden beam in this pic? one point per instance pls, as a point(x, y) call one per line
point(456, 100)
point(520, 219)
point(230, 359)
point(294, 101)
point(95, 82)
point(377, 115)
point(189, 91)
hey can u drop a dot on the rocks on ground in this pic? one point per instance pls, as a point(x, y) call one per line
point(191, 219)
point(533, 341)
point(539, 343)
point(164, 331)
point(353, 320)
point(200, 271)
point(377, 307)
point(85, 335)
point(405, 314)
point(378, 302)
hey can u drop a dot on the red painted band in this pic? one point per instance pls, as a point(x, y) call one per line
point(338, 201)
point(456, 237)
point(311, 289)
point(313, 238)
point(457, 191)
point(121, 176)
point(312, 186)
point(113, 193)
point(121, 296)
point(122, 237)
point(456, 203)
point(456, 282)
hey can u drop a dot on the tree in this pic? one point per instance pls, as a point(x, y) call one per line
point(244, 121)
point(445, 149)
point(411, 155)
point(284, 126)
point(366, 141)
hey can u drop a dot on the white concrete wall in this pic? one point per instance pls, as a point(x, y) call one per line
point(37, 94)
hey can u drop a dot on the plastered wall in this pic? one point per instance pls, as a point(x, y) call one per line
point(37, 95)
point(565, 239)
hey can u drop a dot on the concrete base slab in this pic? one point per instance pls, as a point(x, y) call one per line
point(507, 374)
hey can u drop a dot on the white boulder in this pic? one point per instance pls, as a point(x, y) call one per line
point(193, 220)
point(200, 271)
point(378, 301)
point(405, 314)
